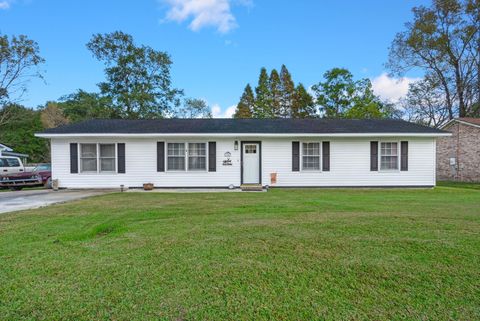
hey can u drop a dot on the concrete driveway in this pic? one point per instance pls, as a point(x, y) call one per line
point(21, 200)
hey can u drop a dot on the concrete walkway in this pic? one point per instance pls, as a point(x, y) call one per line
point(22, 200)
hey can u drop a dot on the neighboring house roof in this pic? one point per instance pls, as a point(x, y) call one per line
point(471, 121)
point(240, 126)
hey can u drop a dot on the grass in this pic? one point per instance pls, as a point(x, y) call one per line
point(459, 184)
point(283, 255)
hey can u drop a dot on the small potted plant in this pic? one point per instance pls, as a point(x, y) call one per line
point(148, 186)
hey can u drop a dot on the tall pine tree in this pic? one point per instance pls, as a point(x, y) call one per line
point(246, 104)
point(275, 94)
point(287, 93)
point(262, 101)
point(303, 105)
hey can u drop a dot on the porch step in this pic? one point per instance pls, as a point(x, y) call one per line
point(251, 187)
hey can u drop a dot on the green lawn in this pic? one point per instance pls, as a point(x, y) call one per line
point(287, 254)
point(459, 184)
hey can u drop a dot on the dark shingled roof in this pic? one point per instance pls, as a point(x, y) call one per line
point(242, 126)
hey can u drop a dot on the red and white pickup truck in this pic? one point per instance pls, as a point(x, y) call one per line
point(15, 176)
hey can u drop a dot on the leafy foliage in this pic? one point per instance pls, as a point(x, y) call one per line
point(340, 96)
point(83, 105)
point(425, 103)
point(19, 132)
point(276, 97)
point(19, 62)
point(138, 77)
point(53, 116)
point(194, 108)
point(246, 104)
point(443, 41)
point(262, 108)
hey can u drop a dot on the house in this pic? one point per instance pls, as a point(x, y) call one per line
point(7, 151)
point(234, 152)
point(458, 156)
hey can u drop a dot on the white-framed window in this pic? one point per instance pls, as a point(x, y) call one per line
point(97, 158)
point(176, 156)
point(311, 156)
point(197, 156)
point(389, 156)
point(107, 157)
point(88, 158)
point(187, 156)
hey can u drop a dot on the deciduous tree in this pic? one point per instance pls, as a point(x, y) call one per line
point(138, 77)
point(19, 62)
point(443, 40)
point(194, 108)
point(340, 96)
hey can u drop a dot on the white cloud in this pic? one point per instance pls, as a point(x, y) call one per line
point(4, 5)
point(390, 88)
point(204, 13)
point(217, 111)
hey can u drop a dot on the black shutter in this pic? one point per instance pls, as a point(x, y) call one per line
point(160, 156)
point(212, 156)
point(73, 158)
point(121, 157)
point(325, 156)
point(295, 156)
point(373, 156)
point(404, 156)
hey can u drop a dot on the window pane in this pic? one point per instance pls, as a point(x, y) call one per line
point(107, 150)
point(250, 149)
point(176, 149)
point(107, 164)
point(88, 150)
point(176, 163)
point(88, 165)
point(197, 149)
point(197, 163)
point(311, 149)
point(311, 162)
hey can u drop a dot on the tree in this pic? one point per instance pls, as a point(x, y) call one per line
point(194, 108)
point(262, 101)
point(287, 93)
point(335, 94)
point(425, 103)
point(340, 96)
point(246, 104)
point(303, 105)
point(19, 62)
point(275, 109)
point(83, 105)
point(138, 77)
point(52, 116)
point(443, 40)
point(19, 133)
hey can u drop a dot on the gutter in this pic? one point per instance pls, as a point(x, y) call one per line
point(154, 135)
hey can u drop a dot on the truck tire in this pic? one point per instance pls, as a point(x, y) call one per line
point(48, 183)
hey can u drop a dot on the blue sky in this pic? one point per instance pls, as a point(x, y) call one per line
point(217, 46)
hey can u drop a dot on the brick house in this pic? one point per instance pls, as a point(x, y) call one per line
point(458, 156)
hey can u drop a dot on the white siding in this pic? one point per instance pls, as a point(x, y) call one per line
point(349, 164)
